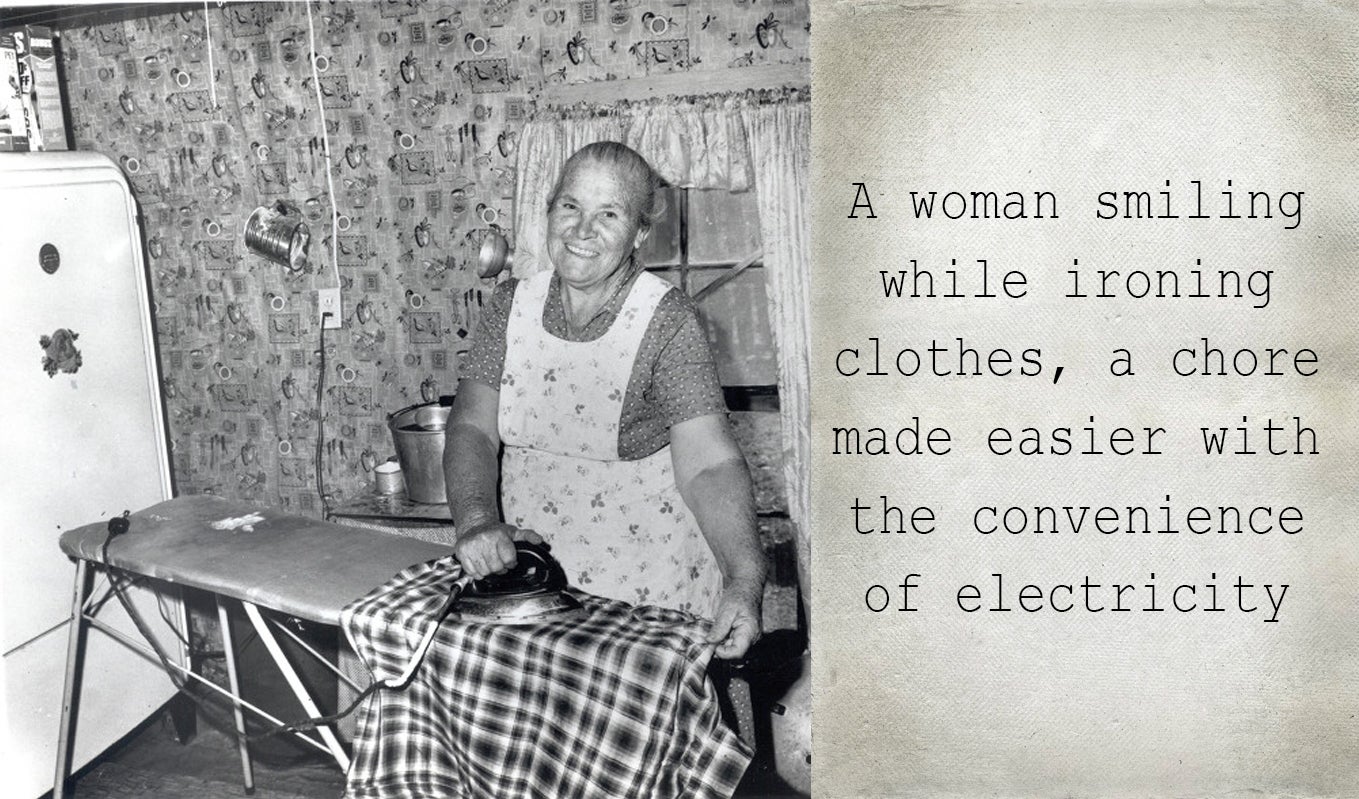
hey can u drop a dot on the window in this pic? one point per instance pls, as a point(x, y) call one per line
point(696, 244)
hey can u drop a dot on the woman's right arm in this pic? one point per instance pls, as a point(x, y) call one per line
point(485, 544)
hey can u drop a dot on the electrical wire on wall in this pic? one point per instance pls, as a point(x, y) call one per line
point(212, 73)
point(325, 151)
point(334, 261)
point(321, 425)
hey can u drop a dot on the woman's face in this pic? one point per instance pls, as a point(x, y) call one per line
point(592, 228)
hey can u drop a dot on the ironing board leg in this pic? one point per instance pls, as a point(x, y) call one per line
point(247, 770)
point(71, 691)
point(183, 712)
point(295, 682)
point(738, 691)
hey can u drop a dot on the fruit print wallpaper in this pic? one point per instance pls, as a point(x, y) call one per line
point(213, 112)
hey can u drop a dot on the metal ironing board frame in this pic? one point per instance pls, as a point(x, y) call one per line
point(180, 521)
point(84, 615)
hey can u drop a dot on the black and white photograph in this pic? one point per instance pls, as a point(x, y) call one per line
point(412, 398)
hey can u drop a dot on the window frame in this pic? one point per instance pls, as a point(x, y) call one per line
point(754, 397)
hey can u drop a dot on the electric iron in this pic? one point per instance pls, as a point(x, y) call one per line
point(534, 591)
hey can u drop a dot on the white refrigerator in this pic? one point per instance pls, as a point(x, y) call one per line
point(83, 433)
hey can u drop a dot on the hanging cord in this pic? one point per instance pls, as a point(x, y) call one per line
point(119, 525)
point(212, 73)
point(334, 261)
point(321, 423)
point(325, 150)
point(396, 682)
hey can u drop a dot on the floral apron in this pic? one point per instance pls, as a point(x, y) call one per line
point(619, 527)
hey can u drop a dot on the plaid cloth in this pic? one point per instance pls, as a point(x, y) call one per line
point(615, 704)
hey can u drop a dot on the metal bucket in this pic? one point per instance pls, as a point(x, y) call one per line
point(418, 433)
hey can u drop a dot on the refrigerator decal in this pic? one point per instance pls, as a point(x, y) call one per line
point(60, 353)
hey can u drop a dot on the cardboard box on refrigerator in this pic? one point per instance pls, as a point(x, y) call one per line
point(13, 110)
point(35, 46)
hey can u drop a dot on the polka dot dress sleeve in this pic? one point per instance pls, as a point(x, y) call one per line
point(684, 380)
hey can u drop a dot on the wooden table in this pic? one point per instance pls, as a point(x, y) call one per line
point(396, 510)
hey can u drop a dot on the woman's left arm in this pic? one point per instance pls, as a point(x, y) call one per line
point(711, 475)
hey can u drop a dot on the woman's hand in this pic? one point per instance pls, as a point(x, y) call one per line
point(489, 548)
point(738, 621)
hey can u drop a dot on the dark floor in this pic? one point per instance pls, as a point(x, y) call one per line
point(152, 763)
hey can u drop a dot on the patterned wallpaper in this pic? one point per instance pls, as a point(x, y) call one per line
point(422, 101)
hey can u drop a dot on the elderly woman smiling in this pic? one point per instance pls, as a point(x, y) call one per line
point(597, 378)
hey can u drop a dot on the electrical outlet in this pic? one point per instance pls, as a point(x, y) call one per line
point(328, 302)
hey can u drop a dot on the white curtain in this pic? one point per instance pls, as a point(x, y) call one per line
point(778, 137)
point(698, 145)
point(738, 142)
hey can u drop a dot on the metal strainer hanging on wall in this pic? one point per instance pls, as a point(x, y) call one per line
point(280, 234)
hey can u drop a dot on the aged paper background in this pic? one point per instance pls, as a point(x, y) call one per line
point(1078, 99)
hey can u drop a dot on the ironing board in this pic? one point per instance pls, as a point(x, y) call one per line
point(261, 557)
